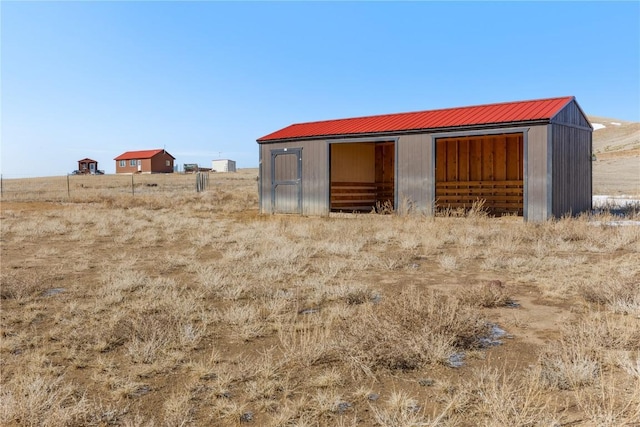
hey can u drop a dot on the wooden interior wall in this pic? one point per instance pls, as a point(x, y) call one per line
point(385, 172)
point(362, 174)
point(488, 168)
point(353, 162)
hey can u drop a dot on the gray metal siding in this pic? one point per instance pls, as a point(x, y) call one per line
point(315, 178)
point(571, 159)
point(571, 114)
point(415, 178)
point(286, 197)
point(536, 180)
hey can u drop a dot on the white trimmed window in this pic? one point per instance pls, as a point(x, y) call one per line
point(123, 163)
point(132, 162)
point(167, 162)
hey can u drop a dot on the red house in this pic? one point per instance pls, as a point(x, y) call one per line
point(145, 161)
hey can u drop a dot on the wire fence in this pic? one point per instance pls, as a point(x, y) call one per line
point(71, 187)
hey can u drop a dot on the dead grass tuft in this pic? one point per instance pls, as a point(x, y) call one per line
point(411, 330)
point(620, 296)
point(491, 294)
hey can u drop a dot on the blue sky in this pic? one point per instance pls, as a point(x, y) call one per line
point(206, 79)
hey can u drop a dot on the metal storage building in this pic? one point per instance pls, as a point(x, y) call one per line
point(532, 158)
point(223, 165)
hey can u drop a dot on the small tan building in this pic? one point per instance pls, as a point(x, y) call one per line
point(145, 161)
point(530, 158)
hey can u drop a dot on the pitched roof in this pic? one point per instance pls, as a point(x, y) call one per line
point(505, 112)
point(143, 154)
point(88, 160)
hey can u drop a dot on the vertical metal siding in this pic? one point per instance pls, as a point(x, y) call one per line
point(286, 199)
point(286, 167)
point(264, 181)
point(571, 170)
point(536, 180)
point(260, 195)
point(315, 178)
point(415, 173)
point(571, 115)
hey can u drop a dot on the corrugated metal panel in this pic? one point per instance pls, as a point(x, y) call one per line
point(537, 177)
point(315, 176)
point(415, 181)
point(508, 112)
point(571, 188)
point(572, 114)
point(143, 154)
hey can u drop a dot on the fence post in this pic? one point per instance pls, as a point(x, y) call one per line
point(133, 191)
point(68, 187)
point(202, 181)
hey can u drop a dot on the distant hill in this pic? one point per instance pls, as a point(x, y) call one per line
point(612, 135)
point(616, 144)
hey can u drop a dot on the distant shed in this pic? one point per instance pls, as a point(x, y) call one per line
point(223, 165)
point(87, 166)
point(531, 158)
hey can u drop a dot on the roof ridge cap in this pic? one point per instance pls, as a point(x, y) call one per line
point(569, 98)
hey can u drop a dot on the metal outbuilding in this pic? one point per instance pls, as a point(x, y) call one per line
point(532, 158)
point(223, 165)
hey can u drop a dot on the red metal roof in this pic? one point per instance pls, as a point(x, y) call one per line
point(143, 154)
point(505, 112)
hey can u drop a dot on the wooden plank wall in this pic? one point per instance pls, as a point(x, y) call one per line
point(385, 172)
point(479, 158)
point(353, 162)
point(487, 167)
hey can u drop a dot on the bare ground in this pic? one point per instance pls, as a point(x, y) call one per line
point(195, 310)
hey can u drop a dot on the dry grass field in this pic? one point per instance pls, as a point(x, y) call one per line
point(181, 308)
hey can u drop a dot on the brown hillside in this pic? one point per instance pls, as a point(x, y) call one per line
point(616, 170)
